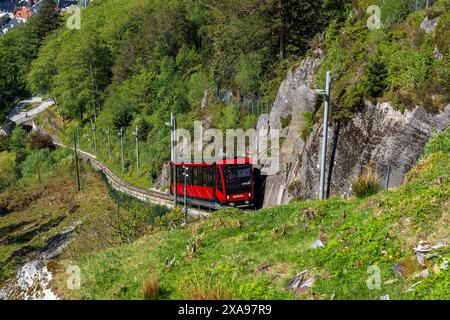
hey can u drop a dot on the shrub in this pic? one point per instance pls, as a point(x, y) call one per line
point(170, 220)
point(308, 119)
point(440, 143)
point(203, 289)
point(18, 139)
point(151, 288)
point(248, 73)
point(366, 184)
point(41, 140)
point(5, 143)
point(285, 121)
point(8, 173)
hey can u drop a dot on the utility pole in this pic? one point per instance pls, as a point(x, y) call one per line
point(121, 148)
point(108, 138)
point(326, 93)
point(185, 175)
point(93, 94)
point(173, 155)
point(76, 160)
point(94, 129)
point(137, 148)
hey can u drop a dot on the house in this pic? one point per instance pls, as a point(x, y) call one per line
point(23, 13)
point(7, 5)
point(4, 18)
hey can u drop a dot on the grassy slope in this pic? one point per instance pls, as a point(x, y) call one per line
point(41, 211)
point(239, 255)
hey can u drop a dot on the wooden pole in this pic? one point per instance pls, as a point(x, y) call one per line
point(121, 147)
point(76, 161)
point(137, 149)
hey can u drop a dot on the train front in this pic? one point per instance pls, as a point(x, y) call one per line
point(239, 184)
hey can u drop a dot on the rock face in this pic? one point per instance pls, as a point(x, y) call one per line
point(378, 136)
point(295, 96)
point(429, 25)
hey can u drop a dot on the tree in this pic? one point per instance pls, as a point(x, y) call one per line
point(122, 117)
point(47, 20)
point(143, 129)
point(18, 139)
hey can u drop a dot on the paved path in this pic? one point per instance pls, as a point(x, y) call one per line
point(20, 117)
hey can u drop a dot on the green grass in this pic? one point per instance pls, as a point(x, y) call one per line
point(42, 210)
point(241, 255)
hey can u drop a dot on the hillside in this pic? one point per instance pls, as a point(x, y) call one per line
point(239, 255)
point(232, 64)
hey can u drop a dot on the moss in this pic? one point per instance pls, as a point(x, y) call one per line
point(286, 121)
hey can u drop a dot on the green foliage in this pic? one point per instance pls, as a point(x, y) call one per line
point(396, 63)
point(18, 139)
point(35, 164)
point(170, 220)
point(5, 143)
point(8, 171)
point(286, 121)
point(47, 20)
point(308, 124)
point(248, 74)
point(440, 143)
point(17, 49)
point(122, 117)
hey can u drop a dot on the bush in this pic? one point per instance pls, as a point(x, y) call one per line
point(285, 121)
point(151, 288)
point(18, 139)
point(8, 173)
point(5, 143)
point(366, 184)
point(440, 143)
point(203, 288)
point(41, 140)
point(308, 124)
point(248, 74)
point(171, 220)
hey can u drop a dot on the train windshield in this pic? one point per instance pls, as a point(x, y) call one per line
point(238, 178)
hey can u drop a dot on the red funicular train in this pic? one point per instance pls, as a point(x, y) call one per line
point(217, 183)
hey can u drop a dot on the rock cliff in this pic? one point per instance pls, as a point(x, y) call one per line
point(378, 136)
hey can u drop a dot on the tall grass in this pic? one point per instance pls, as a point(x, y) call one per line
point(366, 184)
point(151, 288)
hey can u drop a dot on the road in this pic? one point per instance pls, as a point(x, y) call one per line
point(19, 117)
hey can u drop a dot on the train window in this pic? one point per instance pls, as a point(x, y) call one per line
point(219, 180)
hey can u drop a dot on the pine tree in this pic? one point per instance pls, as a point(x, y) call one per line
point(47, 20)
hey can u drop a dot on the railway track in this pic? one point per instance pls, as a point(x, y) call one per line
point(151, 196)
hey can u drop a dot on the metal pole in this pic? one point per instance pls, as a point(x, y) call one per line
point(76, 160)
point(426, 6)
point(94, 128)
point(109, 141)
point(174, 158)
point(137, 148)
point(417, 5)
point(121, 148)
point(325, 136)
point(185, 174)
point(388, 177)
